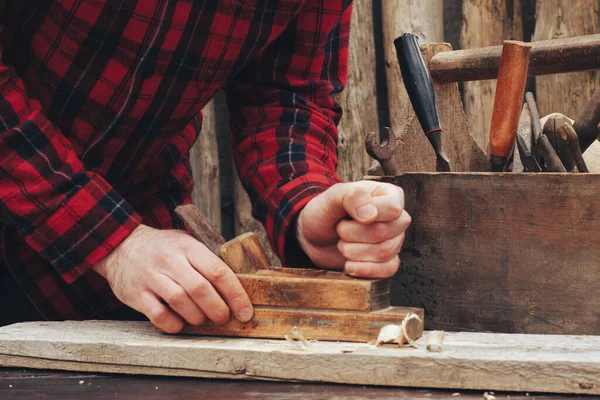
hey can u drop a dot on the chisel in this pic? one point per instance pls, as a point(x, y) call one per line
point(421, 94)
point(508, 100)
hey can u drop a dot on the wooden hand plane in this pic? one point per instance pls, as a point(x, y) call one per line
point(321, 305)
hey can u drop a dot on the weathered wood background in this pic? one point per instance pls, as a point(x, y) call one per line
point(375, 94)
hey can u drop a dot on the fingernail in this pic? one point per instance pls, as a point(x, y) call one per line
point(366, 212)
point(245, 314)
point(350, 268)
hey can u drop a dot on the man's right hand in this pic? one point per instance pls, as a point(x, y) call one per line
point(153, 267)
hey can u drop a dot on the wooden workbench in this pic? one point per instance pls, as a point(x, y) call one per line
point(468, 361)
point(29, 384)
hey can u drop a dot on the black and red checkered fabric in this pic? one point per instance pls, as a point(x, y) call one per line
point(100, 102)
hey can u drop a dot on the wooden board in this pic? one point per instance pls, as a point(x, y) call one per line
point(349, 326)
point(480, 361)
point(332, 290)
point(556, 19)
point(486, 23)
point(502, 252)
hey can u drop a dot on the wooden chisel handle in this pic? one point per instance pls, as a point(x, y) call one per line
point(512, 77)
point(586, 123)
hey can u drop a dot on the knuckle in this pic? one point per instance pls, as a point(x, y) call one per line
point(395, 210)
point(176, 297)
point(237, 298)
point(221, 315)
point(218, 271)
point(196, 318)
point(380, 232)
point(386, 250)
point(199, 288)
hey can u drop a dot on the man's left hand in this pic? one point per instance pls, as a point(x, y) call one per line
point(356, 227)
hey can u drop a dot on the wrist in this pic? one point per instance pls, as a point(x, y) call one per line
point(104, 266)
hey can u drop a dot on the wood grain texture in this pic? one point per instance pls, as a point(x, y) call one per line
point(508, 100)
point(566, 93)
point(204, 159)
point(314, 324)
point(359, 98)
point(480, 361)
point(244, 221)
point(486, 23)
point(244, 254)
point(333, 291)
point(424, 18)
point(502, 252)
point(414, 150)
point(201, 228)
point(547, 57)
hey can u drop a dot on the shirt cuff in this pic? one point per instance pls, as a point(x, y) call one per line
point(84, 229)
point(283, 208)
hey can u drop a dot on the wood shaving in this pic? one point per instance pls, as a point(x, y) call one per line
point(434, 341)
point(297, 340)
point(489, 396)
point(397, 333)
point(456, 394)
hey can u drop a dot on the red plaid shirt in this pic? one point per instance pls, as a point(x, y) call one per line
point(100, 103)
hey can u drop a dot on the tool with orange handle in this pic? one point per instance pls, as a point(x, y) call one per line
point(508, 102)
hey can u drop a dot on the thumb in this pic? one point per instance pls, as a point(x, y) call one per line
point(351, 199)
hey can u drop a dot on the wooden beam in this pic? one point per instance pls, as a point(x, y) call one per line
point(359, 98)
point(313, 324)
point(502, 252)
point(568, 93)
point(333, 291)
point(547, 57)
point(477, 361)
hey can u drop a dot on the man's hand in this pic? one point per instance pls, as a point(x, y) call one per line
point(356, 227)
point(169, 276)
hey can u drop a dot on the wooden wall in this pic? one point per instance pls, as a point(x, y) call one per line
point(375, 94)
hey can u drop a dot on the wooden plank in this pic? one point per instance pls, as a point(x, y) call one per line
point(567, 93)
point(486, 23)
point(333, 291)
point(547, 57)
point(502, 252)
point(424, 18)
point(359, 98)
point(414, 150)
point(480, 361)
point(333, 325)
point(204, 159)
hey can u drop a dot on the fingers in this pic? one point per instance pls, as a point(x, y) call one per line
point(178, 299)
point(159, 314)
point(372, 252)
point(372, 270)
point(219, 288)
point(377, 232)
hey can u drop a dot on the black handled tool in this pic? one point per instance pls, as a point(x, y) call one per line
point(421, 94)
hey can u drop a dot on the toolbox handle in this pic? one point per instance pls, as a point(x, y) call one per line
point(579, 53)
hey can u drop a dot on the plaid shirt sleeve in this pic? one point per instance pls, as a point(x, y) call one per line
point(284, 118)
point(71, 217)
